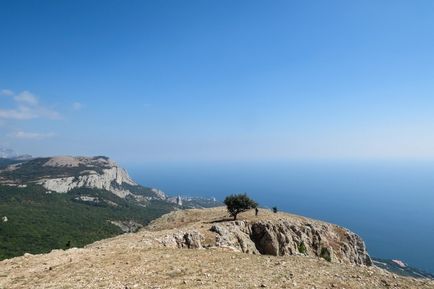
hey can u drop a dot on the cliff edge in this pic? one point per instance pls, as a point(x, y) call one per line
point(63, 174)
point(277, 234)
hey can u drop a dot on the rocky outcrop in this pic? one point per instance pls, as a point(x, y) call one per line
point(111, 179)
point(281, 237)
point(159, 193)
point(191, 240)
point(62, 174)
point(268, 235)
point(127, 226)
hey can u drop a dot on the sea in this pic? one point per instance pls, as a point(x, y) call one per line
point(390, 204)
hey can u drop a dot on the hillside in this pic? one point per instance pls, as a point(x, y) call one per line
point(64, 173)
point(4, 162)
point(181, 250)
point(61, 202)
point(39, 222)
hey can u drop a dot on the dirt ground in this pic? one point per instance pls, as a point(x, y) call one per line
point(130, 261)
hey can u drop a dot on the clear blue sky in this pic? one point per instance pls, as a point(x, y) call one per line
point(218, 80)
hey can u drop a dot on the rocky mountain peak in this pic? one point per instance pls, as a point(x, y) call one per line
point(70, 161)
point(62, 174)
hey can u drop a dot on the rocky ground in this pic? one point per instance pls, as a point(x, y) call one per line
point(152, 258)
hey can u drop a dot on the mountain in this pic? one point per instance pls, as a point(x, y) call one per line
point(58, 202)
point(64, 173)
point(6, 153)
point(184, 249)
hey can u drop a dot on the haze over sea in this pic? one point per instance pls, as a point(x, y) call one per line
point(388, 203)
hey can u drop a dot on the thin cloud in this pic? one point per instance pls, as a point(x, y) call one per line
point(47, 113)
point(22, 113)
point(26, 98)
point(26, 107)
point(6, 92)
point(77, 105)
point(31, 135)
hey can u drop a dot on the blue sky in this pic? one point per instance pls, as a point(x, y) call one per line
point(218, 80)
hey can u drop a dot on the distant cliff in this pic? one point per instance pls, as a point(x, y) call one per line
point(62, 174)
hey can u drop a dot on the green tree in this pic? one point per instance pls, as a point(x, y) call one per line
point(239, 203)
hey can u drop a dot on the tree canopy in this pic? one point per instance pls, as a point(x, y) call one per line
point(239, 203)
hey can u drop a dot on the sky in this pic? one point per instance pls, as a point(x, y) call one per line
point(218, 80)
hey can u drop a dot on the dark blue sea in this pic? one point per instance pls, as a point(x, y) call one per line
point(390, 204)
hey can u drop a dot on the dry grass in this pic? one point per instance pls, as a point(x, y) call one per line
point(130, 261)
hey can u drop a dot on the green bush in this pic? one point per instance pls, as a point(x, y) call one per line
point(302, 248)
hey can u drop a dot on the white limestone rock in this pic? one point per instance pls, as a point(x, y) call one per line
point(62, 174)
point(113, 178)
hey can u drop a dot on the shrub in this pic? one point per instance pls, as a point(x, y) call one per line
point(239, 203)
point(302, 248)
point(325, 253)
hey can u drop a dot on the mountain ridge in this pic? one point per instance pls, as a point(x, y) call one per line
point(6, 153)
point(61, 174)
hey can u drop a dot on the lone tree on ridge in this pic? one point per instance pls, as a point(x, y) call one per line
point(239, 203)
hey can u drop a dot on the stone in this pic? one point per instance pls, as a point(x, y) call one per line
point(190, 240)
point(280, 238)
